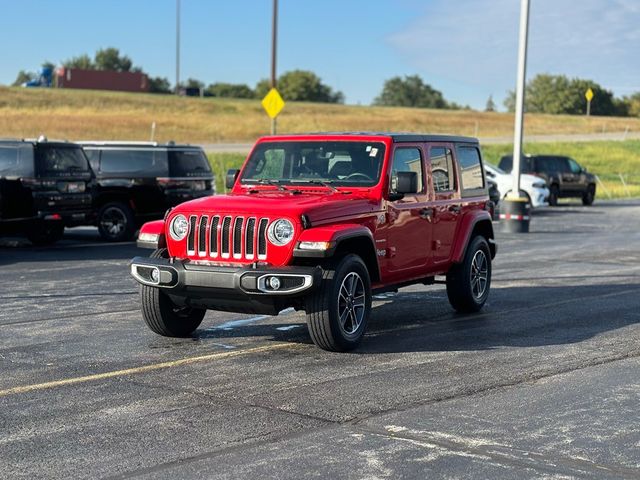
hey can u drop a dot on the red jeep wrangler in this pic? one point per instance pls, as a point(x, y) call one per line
point(320, 223)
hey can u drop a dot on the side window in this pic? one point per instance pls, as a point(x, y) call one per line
point(128, 161)
point(562, 165)
point(8, 159)
point(408, 159)
point(575, 168)
point(442, 169)
point(470, 169)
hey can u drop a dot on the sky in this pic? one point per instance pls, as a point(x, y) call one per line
point(465, 48)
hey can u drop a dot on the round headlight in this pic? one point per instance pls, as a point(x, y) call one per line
point(179, 227)
point(280, 232)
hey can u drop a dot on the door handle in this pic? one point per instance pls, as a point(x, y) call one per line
point(455, 208)
point(426, 213)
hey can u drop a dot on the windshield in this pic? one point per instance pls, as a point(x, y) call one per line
point(338, 163)
point(188, 163)
point(61, 160)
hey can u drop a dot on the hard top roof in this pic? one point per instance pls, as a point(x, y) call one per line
point(133, 144)
point(397, 137)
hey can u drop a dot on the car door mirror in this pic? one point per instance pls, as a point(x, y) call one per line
point(403, 183)
point(230, 180)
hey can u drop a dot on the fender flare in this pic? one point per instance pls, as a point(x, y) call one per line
point(152, 235)
point(335, 236)
point(467, 226)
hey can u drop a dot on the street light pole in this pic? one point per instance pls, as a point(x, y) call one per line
point(274, 40)
point(520, 91)
point(177, 47)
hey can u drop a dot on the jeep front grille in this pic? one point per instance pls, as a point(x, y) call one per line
point(225, 236)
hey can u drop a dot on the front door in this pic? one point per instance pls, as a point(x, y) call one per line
point(409, 219)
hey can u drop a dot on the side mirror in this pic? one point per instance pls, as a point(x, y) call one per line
point(403, 183)
point(232, 175)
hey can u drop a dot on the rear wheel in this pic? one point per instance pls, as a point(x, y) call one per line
point(163, 316)
point(116, 222)
point(45, 233)
point(589, 195)
point(554, 193)
point(468, 283)
point(338, 311)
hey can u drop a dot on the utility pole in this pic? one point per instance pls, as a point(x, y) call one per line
point(520, 91)
point(177, 47)
point(274, 41)
point(516, 208)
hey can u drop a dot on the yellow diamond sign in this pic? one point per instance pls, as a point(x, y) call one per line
point(273, 103)
point(588, 95)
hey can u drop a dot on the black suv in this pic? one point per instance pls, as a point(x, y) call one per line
point(44, 186)
point(139, 181)
point(565, 177)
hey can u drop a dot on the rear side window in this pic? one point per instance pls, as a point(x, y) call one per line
point(136, 161)
point(188, 163)
point(442, 170)
point(8, 159)
point(94, 158)
point(408, 159)
point(470, 168)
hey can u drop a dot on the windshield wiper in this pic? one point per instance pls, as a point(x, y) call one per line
point(267, 181)
point(324, 183)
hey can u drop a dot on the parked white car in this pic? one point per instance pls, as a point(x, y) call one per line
point(534, 186)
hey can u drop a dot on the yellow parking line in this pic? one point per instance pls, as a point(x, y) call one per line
point(142, 369)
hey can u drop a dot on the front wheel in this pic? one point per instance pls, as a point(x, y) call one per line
point(468, 283)
point(45, 233)
point(554, 193)
point(338, 311)
point(589, 195)
point(163, 316)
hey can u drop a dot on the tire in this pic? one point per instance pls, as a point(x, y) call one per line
point(45, 233)
point(589, 195)
point(116, 222)
point(468, 283)
point(339, 309)
point(163, 316)
point(554, 193)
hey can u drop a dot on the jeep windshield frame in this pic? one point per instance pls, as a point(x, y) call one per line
point(319, 163)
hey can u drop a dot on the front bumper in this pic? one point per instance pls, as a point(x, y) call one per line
point(240, 289)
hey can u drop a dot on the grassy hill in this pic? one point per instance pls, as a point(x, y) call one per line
point(86, 114)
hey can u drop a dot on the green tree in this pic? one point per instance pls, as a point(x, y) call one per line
point(410, 91)
point(83, 62)
point(557, 94)
point(23, 77)
point(230, 90)
point(491, 105)
point(301, 86)
point(632, 103)
point(110, 59)
point(159, 85)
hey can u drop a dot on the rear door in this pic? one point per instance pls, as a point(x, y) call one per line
point(579, 178)
point(409, 224)
point(447, 204)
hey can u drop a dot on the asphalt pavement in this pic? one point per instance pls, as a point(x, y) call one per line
point(543, 383)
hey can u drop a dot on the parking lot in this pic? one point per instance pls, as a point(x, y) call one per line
point(544, 382)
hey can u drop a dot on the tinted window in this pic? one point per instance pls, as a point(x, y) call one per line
point(94, 158)
point(57, 159)
point(144, 162)
point(8, 158)
point(407, 160)
point(470, 169)
point(442, 170)
point(573, 165)
point(343, 163)
point(188, 163)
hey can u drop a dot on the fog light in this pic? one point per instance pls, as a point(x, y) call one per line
point(155, 275)
point(274, 282)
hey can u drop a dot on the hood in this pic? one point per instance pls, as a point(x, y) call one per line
point(317, 205)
